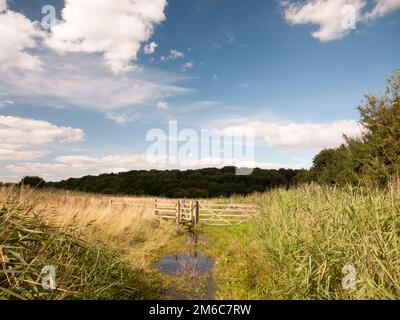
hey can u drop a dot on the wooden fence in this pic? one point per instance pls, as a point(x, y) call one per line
point(193, 212)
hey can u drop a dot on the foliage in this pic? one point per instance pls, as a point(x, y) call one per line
point(374, 158)
point(203, 183)
point(34, 182)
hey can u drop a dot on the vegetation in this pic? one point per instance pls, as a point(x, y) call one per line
point(304, 238)
point(105, 257)
point(374, 158)
point(203, 183)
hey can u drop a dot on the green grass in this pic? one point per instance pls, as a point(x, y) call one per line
point(83, 270)
point(304, 237)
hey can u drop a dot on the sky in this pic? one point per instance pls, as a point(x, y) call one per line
point(84, 82)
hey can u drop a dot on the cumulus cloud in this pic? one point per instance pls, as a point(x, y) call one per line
point(187, 66)
point(81, 80)
point(327, 14)
point(333, 16)
point(150, 48)
point(301, 135)
point(17, 34)
point(18, 133)
point(173, 55)
point(114, 29)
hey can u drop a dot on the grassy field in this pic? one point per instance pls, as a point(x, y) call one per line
point(304, 237)
point(296, 248)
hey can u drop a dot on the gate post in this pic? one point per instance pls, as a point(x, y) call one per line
point(196, 212)
point(178, 212)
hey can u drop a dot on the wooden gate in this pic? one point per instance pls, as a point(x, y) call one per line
point(218, 214)
point(213, 214)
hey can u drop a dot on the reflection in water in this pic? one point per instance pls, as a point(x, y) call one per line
point(193, 263)
point(193, 271)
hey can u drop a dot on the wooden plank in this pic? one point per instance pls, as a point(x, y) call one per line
point(167, 217)
point(166, 204)
point(230, 220)
point(228, 215)
point(219, 217)
point(165, 210)
point(229, 210)
point(133, 205)
point(229, 205)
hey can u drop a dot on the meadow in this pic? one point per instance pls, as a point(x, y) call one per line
point(295, 249)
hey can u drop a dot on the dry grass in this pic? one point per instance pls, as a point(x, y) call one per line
point(100, 252)
point(134, 231)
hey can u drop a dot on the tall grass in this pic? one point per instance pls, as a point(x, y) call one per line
point(98, 253)
point(305, 236)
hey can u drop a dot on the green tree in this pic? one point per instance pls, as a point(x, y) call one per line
point(373, 158)
point(34, 182)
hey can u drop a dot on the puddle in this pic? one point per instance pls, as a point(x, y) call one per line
point(191, 270)
point(192, 263)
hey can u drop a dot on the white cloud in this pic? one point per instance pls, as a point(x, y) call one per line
point(188, 65)
point(382, 8)
point(122, 117)
point(173, 55)
point(162, 105)
point(36, 169)
point(314, 136)
point(331, 15)
point(114, 29)
point(17, 133)
point(10, 154)
point(327, 14)
point(78, 81)
point(17, 34)
point(3, 5)
point(150, 48)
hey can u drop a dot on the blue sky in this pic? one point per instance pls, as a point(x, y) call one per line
point(80, 98)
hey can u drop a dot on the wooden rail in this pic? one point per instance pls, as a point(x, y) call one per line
point(193, 212)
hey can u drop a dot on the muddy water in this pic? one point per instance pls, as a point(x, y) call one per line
point(192, 263)
point(191, 272)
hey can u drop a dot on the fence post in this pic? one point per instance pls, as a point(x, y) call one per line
point(197, 216)
point(178, 212)
point(155, 207)
point(111, 205)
